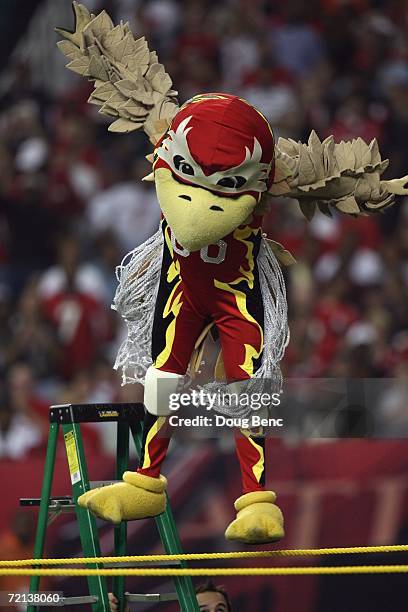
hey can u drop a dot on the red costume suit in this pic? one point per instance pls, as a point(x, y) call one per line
point(219, 284)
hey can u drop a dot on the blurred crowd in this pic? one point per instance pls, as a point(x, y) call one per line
point(72, 202)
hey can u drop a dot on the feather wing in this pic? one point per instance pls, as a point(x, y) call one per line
point(130, 85)
point(325, 175)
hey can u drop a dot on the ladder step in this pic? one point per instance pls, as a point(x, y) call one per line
point(78, 600)
point(64, 503)
point(96, 413)
point(94, 484)
point(150, 597)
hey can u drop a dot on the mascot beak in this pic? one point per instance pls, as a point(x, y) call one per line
point(197, 216)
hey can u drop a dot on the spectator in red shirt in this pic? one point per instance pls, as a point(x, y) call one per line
point(73, 300)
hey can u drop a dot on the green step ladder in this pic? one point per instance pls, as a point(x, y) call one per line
point(129, 419)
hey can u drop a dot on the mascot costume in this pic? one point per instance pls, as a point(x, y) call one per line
point(215, 164)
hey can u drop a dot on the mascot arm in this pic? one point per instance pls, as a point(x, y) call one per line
point(344, 176)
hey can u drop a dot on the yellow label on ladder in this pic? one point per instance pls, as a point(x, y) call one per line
point(72, 456)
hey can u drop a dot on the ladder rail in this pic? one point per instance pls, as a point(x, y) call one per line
point(88, 531)
point(45, 500)
point(120, 531)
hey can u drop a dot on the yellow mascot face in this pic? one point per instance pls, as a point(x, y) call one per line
point(211, 168)
point(197, 216)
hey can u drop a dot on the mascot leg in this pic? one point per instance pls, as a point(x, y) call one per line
point(142, 493)
point(259, 520)
point(175, 331)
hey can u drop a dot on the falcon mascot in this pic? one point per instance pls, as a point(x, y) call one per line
point(215, 165)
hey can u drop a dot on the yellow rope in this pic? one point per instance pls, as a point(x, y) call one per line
point(208, 556)
point(210, 571)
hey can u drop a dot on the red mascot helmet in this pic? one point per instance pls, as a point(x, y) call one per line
point(221, 143)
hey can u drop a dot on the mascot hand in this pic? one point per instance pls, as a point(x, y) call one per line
point(138, 497)
point(259, 520)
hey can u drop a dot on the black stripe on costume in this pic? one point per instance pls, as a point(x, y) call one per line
point(148, 422)
point(260, 440)
point(160, 324)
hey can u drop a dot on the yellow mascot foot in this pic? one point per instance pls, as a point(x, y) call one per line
point(138, 497)
point(259, 520)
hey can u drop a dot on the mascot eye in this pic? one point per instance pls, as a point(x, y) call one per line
point(233, 182)
point(184, 167)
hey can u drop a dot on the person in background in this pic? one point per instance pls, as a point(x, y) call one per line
point(20, 430)
point(73, 296)
point(17, 542)
point(31, 338)
point(128, 207)
point(210, 598)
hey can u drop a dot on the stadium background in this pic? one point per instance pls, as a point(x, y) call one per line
point(71, 205)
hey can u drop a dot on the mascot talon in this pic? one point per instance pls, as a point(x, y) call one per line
point(138, 497)
point(259, 520)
